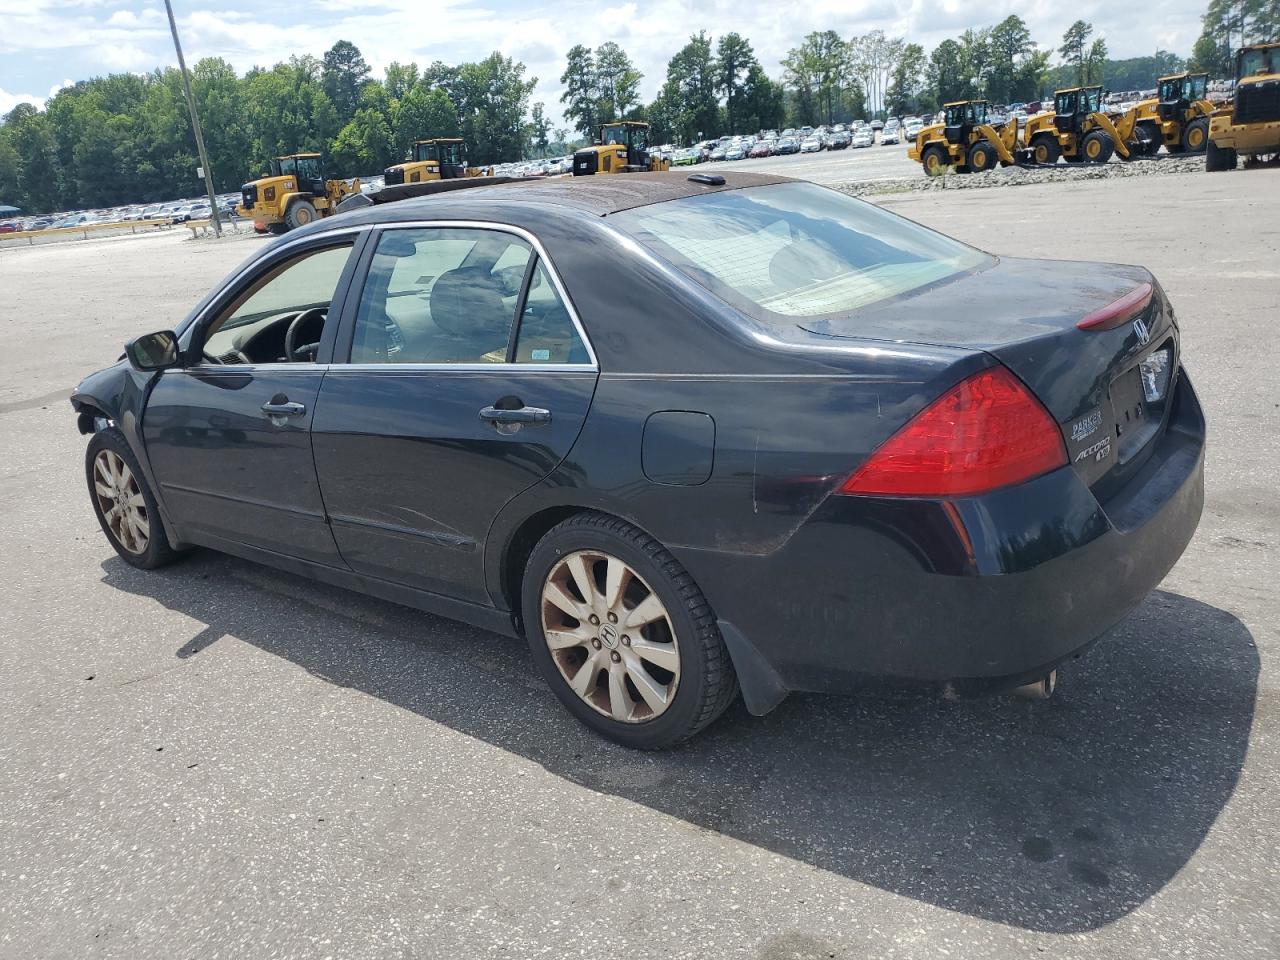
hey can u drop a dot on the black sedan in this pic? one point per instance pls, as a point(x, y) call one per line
point(688, 435)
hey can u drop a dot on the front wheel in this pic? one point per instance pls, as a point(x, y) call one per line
point(1098, 146)
point(982, 156)
point(123, 503)
point(1195, 135)
point(623, 635)
point(935, 160)
point(1045, 149)
point(300, 214)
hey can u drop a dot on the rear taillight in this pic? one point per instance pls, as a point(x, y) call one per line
point(986, 432)
point(1119, 311)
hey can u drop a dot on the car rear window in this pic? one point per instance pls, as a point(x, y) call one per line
point(796, 250)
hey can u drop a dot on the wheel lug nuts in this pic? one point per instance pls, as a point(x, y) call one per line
point(615, 656)
point(613, 618)
point(626, 641)
point(594, 619)
point(595, 642)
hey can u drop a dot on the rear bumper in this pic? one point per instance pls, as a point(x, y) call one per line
point(981, 593)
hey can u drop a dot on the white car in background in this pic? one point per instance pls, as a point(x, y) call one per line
point(811, 145)
point(863, 137)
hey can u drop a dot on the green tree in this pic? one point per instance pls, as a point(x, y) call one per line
point(1095, 61)
point(400, 79)
point(539, 131)
point(422, 114)
point(579, 97)
point(1010, 46)
point(907, 82)
point(818, 70)
point(364, 145)
point(734, 60)
point(287, 111)
point(763, 102)
point(343, 73)
point(689, 93)
point(617, 83)
point(947, 79)
point(1075, 49)
point(492, 99)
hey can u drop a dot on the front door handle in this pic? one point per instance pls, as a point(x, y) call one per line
point(517, 415)
point(279, 406)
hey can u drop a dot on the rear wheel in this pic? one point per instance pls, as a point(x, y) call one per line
point(123, 502)
point(300, 214)
point(1151, 138)
point(935, 160)
point(623, 635)
point(1195, 135)
point(1045, 149)
point(983, 156)
point(1098, 146)
point(1217, 159)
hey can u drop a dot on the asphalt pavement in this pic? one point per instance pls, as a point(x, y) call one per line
point(218, 760)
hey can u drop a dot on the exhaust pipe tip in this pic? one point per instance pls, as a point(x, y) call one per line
point(1040, 689)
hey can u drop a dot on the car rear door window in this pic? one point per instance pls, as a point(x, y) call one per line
point(547, 333)
point(440, 295)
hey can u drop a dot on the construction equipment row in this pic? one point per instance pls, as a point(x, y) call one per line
point(1079, 129)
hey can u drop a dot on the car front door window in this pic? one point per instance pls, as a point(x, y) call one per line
point(280, 316)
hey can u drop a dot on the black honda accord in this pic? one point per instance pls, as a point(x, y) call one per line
point(689, 435)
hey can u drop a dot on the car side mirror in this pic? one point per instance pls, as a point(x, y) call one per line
point(153, 351)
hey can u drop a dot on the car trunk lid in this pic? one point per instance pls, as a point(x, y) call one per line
point(1028, 315)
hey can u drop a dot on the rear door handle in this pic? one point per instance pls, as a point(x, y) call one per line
point(518, 415)
point(277, 407)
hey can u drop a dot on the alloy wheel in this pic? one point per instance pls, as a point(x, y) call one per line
point(610, 636)
point(120, 499)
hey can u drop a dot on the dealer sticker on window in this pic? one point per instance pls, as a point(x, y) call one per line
point(542, 354)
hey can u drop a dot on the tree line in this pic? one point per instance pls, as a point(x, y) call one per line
point(127, 138)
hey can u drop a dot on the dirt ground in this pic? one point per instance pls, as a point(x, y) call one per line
point(218, 760)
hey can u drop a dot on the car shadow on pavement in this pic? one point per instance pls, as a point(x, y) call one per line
point(1058, 816)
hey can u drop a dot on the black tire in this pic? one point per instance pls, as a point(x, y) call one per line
point(1097, 146)
point(1195, 135)
point(1217, 159)
point(299, 214)
point(157, 552)
point(1045, 149)
point(1151, 137)
point(935, 160)
point(275, 229)
point(707, 683)
point(983, 156)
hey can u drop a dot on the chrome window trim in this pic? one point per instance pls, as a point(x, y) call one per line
point(538, 248)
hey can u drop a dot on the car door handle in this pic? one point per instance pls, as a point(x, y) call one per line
point(276, 407)
point(518, 415)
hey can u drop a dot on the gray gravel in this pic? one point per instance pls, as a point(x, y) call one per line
point(221, 761)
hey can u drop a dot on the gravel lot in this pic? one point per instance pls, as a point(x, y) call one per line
point(217, 760)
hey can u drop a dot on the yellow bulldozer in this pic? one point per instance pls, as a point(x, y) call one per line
point(292, 193)
point(1079, 130)
point(965, 140)
point(1250, 124)
point(438, 159)
point(623, 148)
point(1177, 118)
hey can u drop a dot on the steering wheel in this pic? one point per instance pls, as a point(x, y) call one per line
point(290, 336)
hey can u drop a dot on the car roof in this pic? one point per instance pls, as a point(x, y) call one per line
point(599, 195)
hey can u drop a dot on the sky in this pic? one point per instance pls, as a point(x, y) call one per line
point(48, 44)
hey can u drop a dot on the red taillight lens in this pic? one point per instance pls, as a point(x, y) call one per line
point(1118, 311)
point(986, 432)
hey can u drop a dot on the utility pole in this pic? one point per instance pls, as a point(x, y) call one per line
point(195, 124)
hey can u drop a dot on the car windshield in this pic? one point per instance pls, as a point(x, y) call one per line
point(796, 250)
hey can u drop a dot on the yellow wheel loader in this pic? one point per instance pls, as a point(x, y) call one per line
point(1177, 118)
point(623, 148)
point(1078, 130)
point(1250, 125)
point(439, 159)
point(965, 141)
point(292, 194)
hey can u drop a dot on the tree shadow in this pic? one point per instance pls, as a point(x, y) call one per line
point(1059, 816)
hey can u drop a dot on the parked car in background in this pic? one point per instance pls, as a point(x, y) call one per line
point(819, 470)
point(684, 158)
point(810, 145)
point(839, 140)
point(787, 145)
point(718, 152)
point(761, 148)
point(862, 137)
point(877, 124)
point(890, 132)
point(736, 151)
